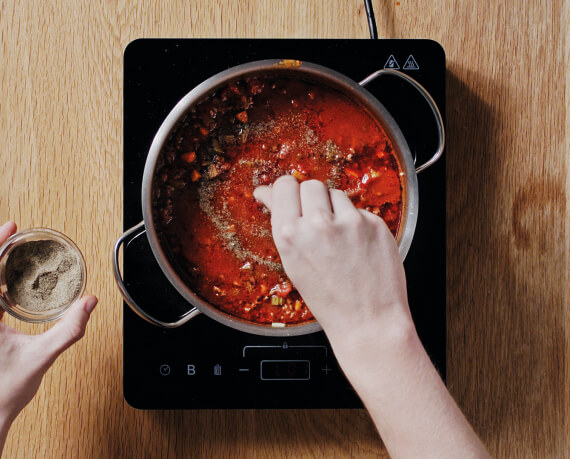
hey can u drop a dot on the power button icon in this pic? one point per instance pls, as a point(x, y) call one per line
point(165, 370)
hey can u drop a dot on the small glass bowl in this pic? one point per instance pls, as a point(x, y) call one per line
point(16, 240)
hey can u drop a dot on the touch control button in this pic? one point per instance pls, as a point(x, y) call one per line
point(165, 370)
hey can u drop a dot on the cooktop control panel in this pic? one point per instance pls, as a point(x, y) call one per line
point(204, 364)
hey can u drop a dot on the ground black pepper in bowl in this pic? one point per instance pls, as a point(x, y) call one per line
point(43, 275)
point(42, 272)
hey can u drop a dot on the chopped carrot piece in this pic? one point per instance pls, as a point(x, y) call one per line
point(189, 157)
point(196, 175)
point(242, 116)
point(204, 131)
point(351, 172)
point(298, 175)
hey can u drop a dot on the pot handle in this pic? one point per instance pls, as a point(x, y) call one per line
point(430, 101)
point(128, 236)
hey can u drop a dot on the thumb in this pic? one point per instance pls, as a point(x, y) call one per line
point(263, 195)
point(69, 329)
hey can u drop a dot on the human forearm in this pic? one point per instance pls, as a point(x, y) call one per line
point(346, 265)
point(407, 400)
point(5, 423)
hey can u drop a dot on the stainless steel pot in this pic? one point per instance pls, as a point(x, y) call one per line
point(306, 71)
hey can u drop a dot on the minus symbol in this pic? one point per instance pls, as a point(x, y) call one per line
point(244, 369)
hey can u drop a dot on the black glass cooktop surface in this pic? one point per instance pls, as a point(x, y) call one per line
point(204, 364)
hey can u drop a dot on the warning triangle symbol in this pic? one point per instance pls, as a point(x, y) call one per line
point(411, 64)
point(391, 63)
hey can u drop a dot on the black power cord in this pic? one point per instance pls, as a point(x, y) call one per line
point(371, 20)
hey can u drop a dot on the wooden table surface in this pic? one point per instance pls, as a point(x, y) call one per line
point(508, 225)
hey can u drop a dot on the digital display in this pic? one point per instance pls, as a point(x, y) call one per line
point(285, 369)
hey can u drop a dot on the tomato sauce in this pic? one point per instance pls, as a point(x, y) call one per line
point(244, 135)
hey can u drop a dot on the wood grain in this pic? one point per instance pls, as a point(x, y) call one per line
point(507, 216)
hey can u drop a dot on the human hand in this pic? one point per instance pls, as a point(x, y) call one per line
point(343, 261)
point(24, 359)
point(345, 264)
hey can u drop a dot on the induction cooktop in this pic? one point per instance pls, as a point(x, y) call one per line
point(204, 364)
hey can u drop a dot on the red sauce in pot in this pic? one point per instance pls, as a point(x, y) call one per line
point(244, 135)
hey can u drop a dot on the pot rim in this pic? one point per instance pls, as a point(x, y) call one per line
point(322, 75)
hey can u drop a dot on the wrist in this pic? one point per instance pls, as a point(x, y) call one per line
point(384, 328)
point(375, 345)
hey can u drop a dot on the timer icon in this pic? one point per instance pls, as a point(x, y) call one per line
point(165, 370)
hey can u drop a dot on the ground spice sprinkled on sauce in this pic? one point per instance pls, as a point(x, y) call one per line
point(43, 275)
point(249, 133)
